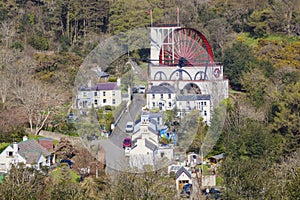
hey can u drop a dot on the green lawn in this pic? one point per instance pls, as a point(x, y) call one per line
point(56, 173)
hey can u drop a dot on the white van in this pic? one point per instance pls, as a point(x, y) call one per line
point(142, 89)
point(129, 127)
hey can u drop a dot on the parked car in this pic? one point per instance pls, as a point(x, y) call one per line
point(67, 161)
point(72, 117)
point(135, 90)
point(186, 190)
point(142, 89)
point(129, 127)
point(127, 142)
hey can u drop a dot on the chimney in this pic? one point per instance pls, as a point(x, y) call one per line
point(119, 82)
point(25, 138)
point(15, 147)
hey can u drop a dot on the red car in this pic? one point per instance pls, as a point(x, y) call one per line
point(127, 142)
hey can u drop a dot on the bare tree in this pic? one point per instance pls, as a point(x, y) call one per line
point(37, 99)
point(7, 58)
point(7, 31)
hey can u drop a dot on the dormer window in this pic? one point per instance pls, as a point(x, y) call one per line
point(10, 154)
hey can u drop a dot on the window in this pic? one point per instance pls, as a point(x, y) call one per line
point(104, 100)
point(95, 93)
point(205, 103)
point(169, 95)
point(104, 93)
point(205, 113)
point(84, 94)
point(153, 104)
point(201, 103)
point(113, 93)
point(113, 101)
point(161, 95)
point(96, 102)
point(153, 96)
point(10, 153)
point(170, 104)
point(162, 154)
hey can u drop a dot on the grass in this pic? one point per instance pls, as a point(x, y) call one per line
point(219, 181)
point(253, 42)
point(56, 173)
point(206, 169)
point(3, 145)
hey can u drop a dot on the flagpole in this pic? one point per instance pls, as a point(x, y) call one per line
point(151, 19)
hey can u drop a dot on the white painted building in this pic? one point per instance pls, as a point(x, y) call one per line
point(102, 94)
point(29, 152)
point(146, 149)
point(187, 103)
point(162, 97)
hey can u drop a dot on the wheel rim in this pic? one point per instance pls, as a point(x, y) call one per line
point(190, 48)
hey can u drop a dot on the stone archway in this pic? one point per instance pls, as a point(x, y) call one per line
point(191, 88)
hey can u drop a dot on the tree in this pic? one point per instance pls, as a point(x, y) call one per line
point(23, 182)
point(64, 149)
point(148, 185)
point(286, 118)
point(237, 60)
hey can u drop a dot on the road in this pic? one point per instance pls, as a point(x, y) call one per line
point(115, 156)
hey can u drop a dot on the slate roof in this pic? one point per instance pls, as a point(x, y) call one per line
point(161, 89)
point(218, 157)
point(31, 157)
point(30, 147)
point(107, 86)
point(182, 170)
point(193, 97)
point(150, 145)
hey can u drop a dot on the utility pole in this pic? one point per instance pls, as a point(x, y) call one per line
point(97, 153)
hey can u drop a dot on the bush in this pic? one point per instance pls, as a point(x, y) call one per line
point(39, 41)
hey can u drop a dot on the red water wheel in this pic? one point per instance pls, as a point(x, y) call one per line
point(185, 47)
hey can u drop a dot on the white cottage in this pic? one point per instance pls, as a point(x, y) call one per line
point(29, 152)
point(182, 176)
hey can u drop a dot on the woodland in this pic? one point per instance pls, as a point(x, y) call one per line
point(44, 42)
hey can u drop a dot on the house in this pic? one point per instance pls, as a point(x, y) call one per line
point(146, 149)
point(182, 176)
point(188, 103)
point(29, 152)
point(161, 97)
point(102, 94)
point(216, 158)
point(193, 159)
point(142, 154)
